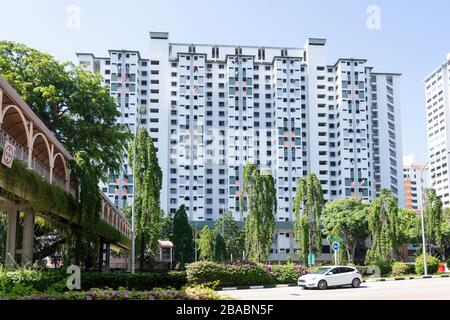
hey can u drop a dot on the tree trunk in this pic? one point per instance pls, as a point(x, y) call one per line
point(142, 251)
point(351, 253)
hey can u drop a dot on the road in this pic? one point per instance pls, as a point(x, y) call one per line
point(421, 289)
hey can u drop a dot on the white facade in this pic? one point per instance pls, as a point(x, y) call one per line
point(219, 107)
point(127, 75)
point(437, 93)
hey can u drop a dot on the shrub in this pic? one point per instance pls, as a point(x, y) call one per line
point(399, 269)
point(242, 274)
point(432, 264)
point(27, 281)
point(287, 274)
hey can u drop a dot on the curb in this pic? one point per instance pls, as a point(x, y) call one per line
point(266, 286)
point(406, 278)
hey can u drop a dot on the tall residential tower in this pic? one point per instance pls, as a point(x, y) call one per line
point(437, 91)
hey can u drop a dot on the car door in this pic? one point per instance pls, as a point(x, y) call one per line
point(332, 277)
point(347, 275)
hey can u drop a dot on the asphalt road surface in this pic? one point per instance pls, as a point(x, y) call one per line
point(420, 289)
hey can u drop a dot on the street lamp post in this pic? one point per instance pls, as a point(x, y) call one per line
point(424, 249)
point(424, 252)
point(141, 113)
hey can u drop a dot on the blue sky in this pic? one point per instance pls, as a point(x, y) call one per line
point(414, 37)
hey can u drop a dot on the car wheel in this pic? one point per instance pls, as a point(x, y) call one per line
point(356, 283)
point(322, 285)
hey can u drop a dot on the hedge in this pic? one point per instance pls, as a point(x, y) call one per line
point(230, 275)
point(23, 281)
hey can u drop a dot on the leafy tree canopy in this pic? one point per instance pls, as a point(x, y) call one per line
point(71, 102)
point(346, 218)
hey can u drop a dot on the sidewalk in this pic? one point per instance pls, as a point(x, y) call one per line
point(271, 286)
point(406, 278)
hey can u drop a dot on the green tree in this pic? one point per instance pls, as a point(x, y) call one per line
point(409, 227)
point(433, 218)
point(258, 198)
point(71, 101)
point(445, 238)
point(166, 226)
point(308, 207)
point(86, 239)
point(228, 228)
point(346, 218)
point(148, 182)
point(183, 241)
point(205, 244)
point(384, 225)
point(220, 251)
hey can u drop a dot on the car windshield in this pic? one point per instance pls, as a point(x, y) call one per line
point(321, 271)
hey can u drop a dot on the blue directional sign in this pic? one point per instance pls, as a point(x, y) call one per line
point(336, 246)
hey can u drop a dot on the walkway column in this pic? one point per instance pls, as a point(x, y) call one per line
point(11, 240)
point(108, 254)
point(28, 238)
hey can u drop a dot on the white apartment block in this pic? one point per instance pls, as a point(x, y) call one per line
point(437, 92)
point(219, 107)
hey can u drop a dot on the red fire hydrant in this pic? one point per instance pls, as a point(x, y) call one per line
point(441, 268)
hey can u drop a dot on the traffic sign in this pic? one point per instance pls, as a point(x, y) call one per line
point(333, 239)
point(8, 154)
point(336, 246)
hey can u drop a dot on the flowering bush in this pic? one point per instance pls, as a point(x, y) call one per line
point(190, 293)
point(229, 275)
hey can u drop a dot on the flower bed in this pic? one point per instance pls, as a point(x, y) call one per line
point(190, 293)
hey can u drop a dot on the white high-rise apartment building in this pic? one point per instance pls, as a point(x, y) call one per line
point(127, 75)
point(219, 107)
point(437, 92)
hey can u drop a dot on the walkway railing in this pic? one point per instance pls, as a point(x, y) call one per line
point(22, 154)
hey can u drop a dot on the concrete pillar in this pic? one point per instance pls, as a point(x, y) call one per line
point(11, 240)
point(28, 238)
point(108, 254)
point(51, 175)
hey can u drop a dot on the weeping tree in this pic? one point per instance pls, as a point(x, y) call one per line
point(384, 227)
point(206, 244)
point(89, 204)
point(182, 238)
point(308, 207)
point(258, 200)
point(148, 182)
point(220, 250)
point(433, 218)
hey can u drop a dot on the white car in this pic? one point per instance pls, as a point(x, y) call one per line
point(330, 276)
